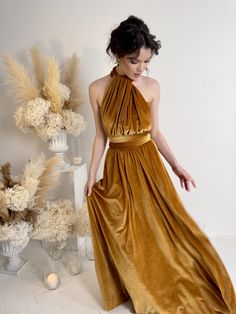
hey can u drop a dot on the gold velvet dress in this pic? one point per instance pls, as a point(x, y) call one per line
point(147, 248)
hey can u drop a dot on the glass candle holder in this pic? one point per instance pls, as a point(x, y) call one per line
point(51, 273)
point(76, 150)
point(72, 262)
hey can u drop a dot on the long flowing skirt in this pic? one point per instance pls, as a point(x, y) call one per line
point(147, 247)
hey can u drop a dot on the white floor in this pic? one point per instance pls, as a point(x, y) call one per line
point(26, 293)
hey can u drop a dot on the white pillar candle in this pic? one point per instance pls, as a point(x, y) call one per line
point(52, 280)
point(77, 160)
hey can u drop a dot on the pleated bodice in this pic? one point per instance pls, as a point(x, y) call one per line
point(124, 111)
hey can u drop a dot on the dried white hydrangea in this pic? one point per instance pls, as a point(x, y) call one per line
point(35, 112)
point(19, 117)
point(65, 92)
point(17, 198)
point(53, 125)
point(73, 122)
point(83, 224)
point(55, 222)
point(16, 233)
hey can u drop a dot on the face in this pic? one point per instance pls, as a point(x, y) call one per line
point(133, 65)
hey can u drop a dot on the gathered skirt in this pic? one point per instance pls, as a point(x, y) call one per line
point(147, 247)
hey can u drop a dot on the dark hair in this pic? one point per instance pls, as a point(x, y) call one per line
point(131, 35)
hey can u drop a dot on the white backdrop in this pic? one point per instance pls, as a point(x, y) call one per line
point(195, 68)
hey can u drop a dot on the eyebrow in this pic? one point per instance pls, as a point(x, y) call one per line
point(133, 58)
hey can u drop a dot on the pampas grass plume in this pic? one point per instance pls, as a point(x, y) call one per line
point(70, 79)
point(38, 66)
point(22, 86)
point(51, 89)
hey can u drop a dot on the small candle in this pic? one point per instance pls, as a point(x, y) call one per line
point(77, 160)
point(52, 281)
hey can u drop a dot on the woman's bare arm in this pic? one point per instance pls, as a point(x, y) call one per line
point(163, 147)
point(99, 142)
point(156, 133)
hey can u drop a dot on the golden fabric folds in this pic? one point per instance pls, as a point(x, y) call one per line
point(147, 247)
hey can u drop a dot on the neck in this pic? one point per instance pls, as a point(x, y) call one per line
point(119, 71)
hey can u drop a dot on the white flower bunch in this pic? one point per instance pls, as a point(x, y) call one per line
point(82, 226)
point(17, 198)
point(20, 120)
point(55, 222)
point(53, 124)
point(37, 116)
point(16, 233)
point(35, 112)
point(21, 196)
point(73, 122)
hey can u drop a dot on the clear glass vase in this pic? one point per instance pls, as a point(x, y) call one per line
point(51, 272)
point(72, 261)
point(89, 248)
point(54, 249)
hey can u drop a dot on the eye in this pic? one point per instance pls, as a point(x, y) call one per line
point(147, 61)
point(133, 62)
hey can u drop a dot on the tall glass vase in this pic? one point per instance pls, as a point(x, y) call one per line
point(51, 272)
point(89, 248)
point(58, 145)
point(54, 248)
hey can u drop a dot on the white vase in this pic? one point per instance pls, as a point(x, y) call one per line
point(58, 145)
point(14, 264)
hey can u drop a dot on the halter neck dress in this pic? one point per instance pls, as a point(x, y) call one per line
point(147, 247)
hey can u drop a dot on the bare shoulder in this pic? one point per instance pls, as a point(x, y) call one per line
point(149, 87)
point(99, 82)
point(154, 89)
point(152, 83)
point(97, 88)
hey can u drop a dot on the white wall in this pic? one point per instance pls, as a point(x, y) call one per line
point(195, 68)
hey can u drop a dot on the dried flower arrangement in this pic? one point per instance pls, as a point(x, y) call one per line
point(82, 225)
point(58, 220)
point(21, 197)
point(24, 211)
point(47, 102)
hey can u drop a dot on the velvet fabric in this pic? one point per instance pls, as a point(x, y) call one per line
point(147, 247)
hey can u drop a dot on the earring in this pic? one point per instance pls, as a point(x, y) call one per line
point(118, 62)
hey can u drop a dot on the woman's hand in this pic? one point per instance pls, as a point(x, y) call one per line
point(185, 178)
point(88, 186)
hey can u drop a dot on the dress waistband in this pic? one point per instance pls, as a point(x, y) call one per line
point(129, 140)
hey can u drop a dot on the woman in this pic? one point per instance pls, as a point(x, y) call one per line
point(147, 247)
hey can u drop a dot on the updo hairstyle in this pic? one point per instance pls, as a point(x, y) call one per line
point(131, 35)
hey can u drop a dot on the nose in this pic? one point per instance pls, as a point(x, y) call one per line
point(141, 67)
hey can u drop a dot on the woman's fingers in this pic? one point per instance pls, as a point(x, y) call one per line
point(187, 184)
point(193, 183)
point(186, 180)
